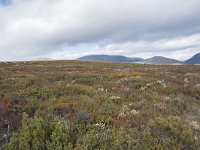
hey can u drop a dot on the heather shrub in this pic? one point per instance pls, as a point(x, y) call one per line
point(40, 134)
point(171, 133)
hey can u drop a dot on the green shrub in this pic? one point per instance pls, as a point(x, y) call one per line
point(40, 134)
point(79, 89)
point(171, 133)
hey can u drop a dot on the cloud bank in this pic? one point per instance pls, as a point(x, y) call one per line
point(67, 29)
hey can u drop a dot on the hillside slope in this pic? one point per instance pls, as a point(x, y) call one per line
point(110, 58)
point(194, 60)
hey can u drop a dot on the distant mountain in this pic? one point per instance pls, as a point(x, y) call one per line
point(42, 59)
point(110, 58)
point(136, 59)
point(194, 60)
point(154, 60)
point(161, 60)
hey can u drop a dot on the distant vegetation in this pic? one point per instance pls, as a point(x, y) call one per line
point(59, 105)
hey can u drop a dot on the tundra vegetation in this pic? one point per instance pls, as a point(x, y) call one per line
point(59, 105)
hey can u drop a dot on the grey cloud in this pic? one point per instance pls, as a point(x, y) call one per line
point(186, 46)
point(39, 27)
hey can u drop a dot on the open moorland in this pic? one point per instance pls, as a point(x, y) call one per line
point(80, 105)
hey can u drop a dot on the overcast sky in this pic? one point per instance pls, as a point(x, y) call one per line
point(67, 29)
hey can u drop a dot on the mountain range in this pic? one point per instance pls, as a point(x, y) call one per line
point(161, 60)
point(110, 58)
point(154, 60)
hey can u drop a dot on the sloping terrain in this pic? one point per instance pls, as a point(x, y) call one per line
point(110, 58)
point(154, 60)
point(194, 60)
point(161, 60)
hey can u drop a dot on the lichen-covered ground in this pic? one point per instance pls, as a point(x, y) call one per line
point(92, 105)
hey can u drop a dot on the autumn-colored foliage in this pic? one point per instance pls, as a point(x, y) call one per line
point(92, 105)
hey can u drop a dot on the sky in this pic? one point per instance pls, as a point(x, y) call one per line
point(68, 29)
